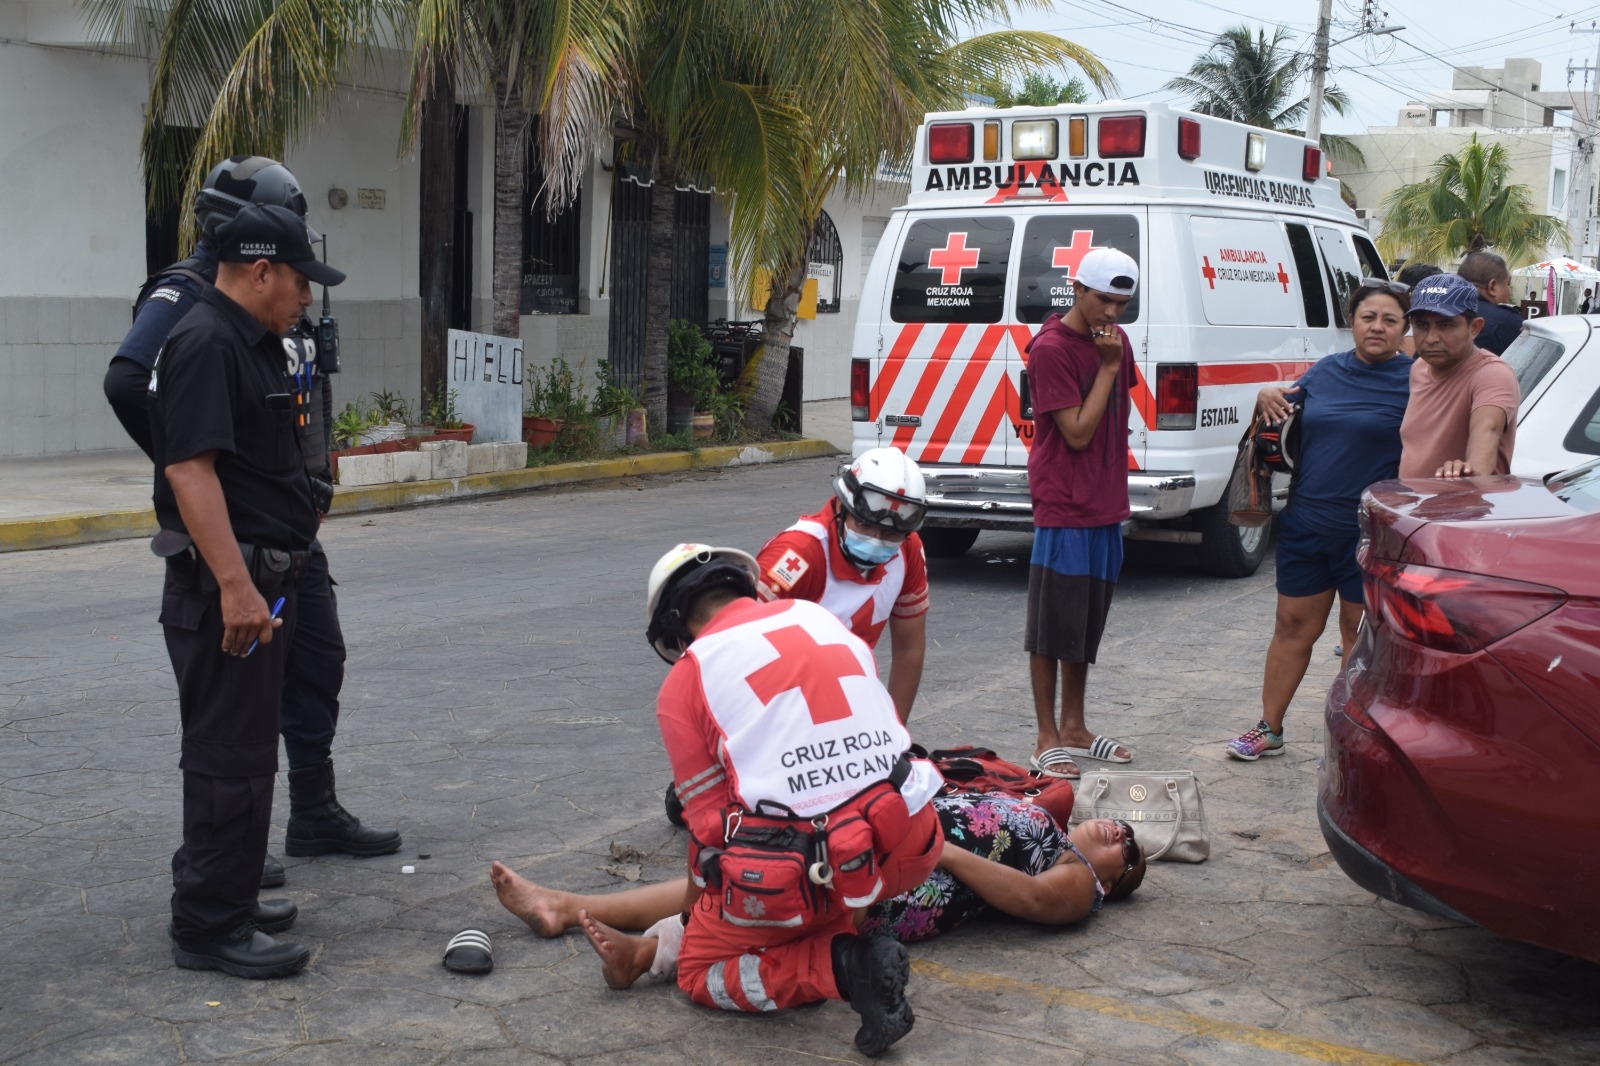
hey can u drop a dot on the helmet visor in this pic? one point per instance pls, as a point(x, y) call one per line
point(889, 510)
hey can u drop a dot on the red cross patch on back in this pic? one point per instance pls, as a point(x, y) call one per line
point(815, 669)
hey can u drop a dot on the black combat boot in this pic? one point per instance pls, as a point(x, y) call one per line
point(319, 825)
point(871, 972)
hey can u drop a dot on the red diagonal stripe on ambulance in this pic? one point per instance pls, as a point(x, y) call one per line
point(1250, 373)
point(892, 365)
point(1003, 399)
point(1144, 401)
point(931, 373)
point(949, 422)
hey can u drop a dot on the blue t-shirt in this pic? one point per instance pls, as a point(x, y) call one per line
point(1349, 436)
point(162, 310)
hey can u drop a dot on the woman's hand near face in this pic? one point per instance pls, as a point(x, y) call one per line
point(1273, 402)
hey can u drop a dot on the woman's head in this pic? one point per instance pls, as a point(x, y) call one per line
point(1378, 317)
point(1113, 853)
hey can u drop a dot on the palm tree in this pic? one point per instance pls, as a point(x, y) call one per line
point(1252, 79)
point(1467, 202)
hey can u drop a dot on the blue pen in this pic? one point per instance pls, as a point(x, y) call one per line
point(275, 609)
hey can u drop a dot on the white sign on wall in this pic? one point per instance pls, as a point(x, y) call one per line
point(486, 376)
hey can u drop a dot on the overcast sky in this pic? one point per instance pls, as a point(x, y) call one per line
point(1146, 42)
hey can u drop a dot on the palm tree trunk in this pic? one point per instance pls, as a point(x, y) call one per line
point(509, 127)
point(436, 231)
point(777, 334)
point(658, 288)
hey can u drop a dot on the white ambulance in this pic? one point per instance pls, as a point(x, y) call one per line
point(1246, 255)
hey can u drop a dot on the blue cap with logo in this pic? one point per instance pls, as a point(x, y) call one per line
point(1444, 294)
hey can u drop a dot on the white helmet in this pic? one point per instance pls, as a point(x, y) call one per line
point(679, 576)
point(885, 489)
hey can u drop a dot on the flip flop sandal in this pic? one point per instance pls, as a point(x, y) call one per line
point(1103, 749)
point(1047, 760)
point(469, 952)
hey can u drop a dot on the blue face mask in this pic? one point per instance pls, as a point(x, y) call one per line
point(867, 549)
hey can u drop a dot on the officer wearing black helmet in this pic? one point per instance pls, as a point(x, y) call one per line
point(318, 823)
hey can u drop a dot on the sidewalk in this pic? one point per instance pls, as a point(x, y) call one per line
point(58, 500)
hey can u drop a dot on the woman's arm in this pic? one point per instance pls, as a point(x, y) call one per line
point(1060, 895)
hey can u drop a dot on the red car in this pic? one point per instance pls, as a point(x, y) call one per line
point(1461, 774)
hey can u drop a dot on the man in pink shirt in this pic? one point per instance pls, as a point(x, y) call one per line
point(1461, 419)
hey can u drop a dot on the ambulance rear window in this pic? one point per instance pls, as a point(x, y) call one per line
point(1309, 271)
point(1053, 247)
point(1342, 269)
point(952, 270)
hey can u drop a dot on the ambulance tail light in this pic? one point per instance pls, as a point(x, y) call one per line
point(991, 141)
point(950, 142)
point(1177, 395)
point(860, 391)
point(1311, 163)
point(1077, 137)
point(1121, 137)
point(1189, 138)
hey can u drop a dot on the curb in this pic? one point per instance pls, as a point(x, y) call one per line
point(57, 531)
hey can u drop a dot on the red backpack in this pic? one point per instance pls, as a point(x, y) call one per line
point(979, 770)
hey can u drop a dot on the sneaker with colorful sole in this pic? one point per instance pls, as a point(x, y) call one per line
point(1258, 742)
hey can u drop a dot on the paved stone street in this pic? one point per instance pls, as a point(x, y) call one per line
point(499, 706)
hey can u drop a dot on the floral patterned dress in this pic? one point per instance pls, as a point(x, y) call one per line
point(996, 826)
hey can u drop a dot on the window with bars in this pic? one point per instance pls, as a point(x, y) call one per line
point(549, 247)
point(825, 263)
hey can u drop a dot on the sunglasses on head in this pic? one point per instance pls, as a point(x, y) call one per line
point(1398, 288)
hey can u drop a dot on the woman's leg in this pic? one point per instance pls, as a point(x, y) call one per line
point(1350, 615)
point(1300, 621)
point(550, 912)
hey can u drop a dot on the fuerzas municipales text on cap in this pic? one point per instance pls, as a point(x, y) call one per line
point(1448, 295)
point(276, 234)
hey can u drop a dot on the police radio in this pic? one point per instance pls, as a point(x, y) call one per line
point(327, 329)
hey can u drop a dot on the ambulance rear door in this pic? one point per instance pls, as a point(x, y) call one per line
point(940, 391)
point(1054, 241)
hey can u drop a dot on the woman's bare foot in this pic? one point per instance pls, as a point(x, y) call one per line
point(544, 909)
point(623, 958)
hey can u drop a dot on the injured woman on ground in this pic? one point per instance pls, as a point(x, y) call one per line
point(999, 851)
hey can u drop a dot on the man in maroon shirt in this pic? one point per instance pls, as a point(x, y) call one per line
point(1079, 371)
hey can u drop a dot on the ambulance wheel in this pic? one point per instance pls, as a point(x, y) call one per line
point(1227, 550)
point(944, 543)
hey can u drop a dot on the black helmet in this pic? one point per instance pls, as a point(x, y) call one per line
point(1278, 443)
point(241, 180)
point(678, 578)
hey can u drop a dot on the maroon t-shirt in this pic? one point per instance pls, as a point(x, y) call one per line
point(1071, 489)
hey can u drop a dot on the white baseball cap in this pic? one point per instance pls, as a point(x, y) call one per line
point(1108, 270)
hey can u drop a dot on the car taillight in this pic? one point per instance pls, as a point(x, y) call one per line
point(860, 391)
point(1189, 138)
point(1121, 137)
point(1311, 163)
point(950, 142)
point(1449, 610)
point(1177, 395)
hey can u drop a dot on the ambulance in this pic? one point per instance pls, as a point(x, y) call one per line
point(1246, 256)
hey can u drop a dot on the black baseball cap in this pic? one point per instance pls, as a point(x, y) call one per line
point(276, 234)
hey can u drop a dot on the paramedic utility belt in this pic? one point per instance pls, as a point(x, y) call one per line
point(270, 568)
point(777, 870)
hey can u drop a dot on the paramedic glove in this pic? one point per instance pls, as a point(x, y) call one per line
point(1274, 404)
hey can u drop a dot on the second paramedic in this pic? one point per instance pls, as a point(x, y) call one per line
point(861, 558)
point(1080, 368)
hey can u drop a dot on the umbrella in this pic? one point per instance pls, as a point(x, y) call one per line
point(1561, 267)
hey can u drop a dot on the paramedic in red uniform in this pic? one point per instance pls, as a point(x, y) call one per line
point(860, 557)
point(1080, 368)
point(778, 704)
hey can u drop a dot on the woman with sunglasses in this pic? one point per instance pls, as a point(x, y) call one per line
point(1350, 406)
point(1000, 852)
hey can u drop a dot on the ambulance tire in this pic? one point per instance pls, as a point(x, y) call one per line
point(942, 543)
point(1227, 550)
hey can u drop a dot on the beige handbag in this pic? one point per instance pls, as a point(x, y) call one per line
point(1168, 818)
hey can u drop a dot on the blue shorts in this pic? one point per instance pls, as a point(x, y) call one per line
point(1071, 578)
point(1312, 561)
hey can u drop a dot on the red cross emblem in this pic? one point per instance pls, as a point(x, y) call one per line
point(815, 669)
point(1209, 272)
point(1283, 279)
point(1069, 257)
point(952, 259)
point(792, 565)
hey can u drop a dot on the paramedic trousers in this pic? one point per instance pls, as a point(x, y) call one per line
point(731, 967)
point(228, 707)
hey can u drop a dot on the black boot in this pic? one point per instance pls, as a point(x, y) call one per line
point(319, 825)
point(871, 972)
point(272, 873)
point(245, 952)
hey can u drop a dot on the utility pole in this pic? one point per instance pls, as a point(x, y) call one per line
point(1319, 71)
point(1589, 129)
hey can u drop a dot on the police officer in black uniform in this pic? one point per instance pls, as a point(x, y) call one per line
point(318, 823)
point(237, 521)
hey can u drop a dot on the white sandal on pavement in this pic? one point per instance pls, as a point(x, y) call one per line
point(1047, 761)
point(1103, 749)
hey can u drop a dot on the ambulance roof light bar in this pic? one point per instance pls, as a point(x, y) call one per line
point(1189, 138)
point(1311, 164)
point(1121, 136)
point(950, 142)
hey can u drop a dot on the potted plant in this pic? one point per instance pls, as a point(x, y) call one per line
point(692, 379)
point(554, 398)
point(441, 415)
point(388, 416)
point(613, 403)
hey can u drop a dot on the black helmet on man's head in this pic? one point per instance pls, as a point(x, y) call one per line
point(241, 180)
